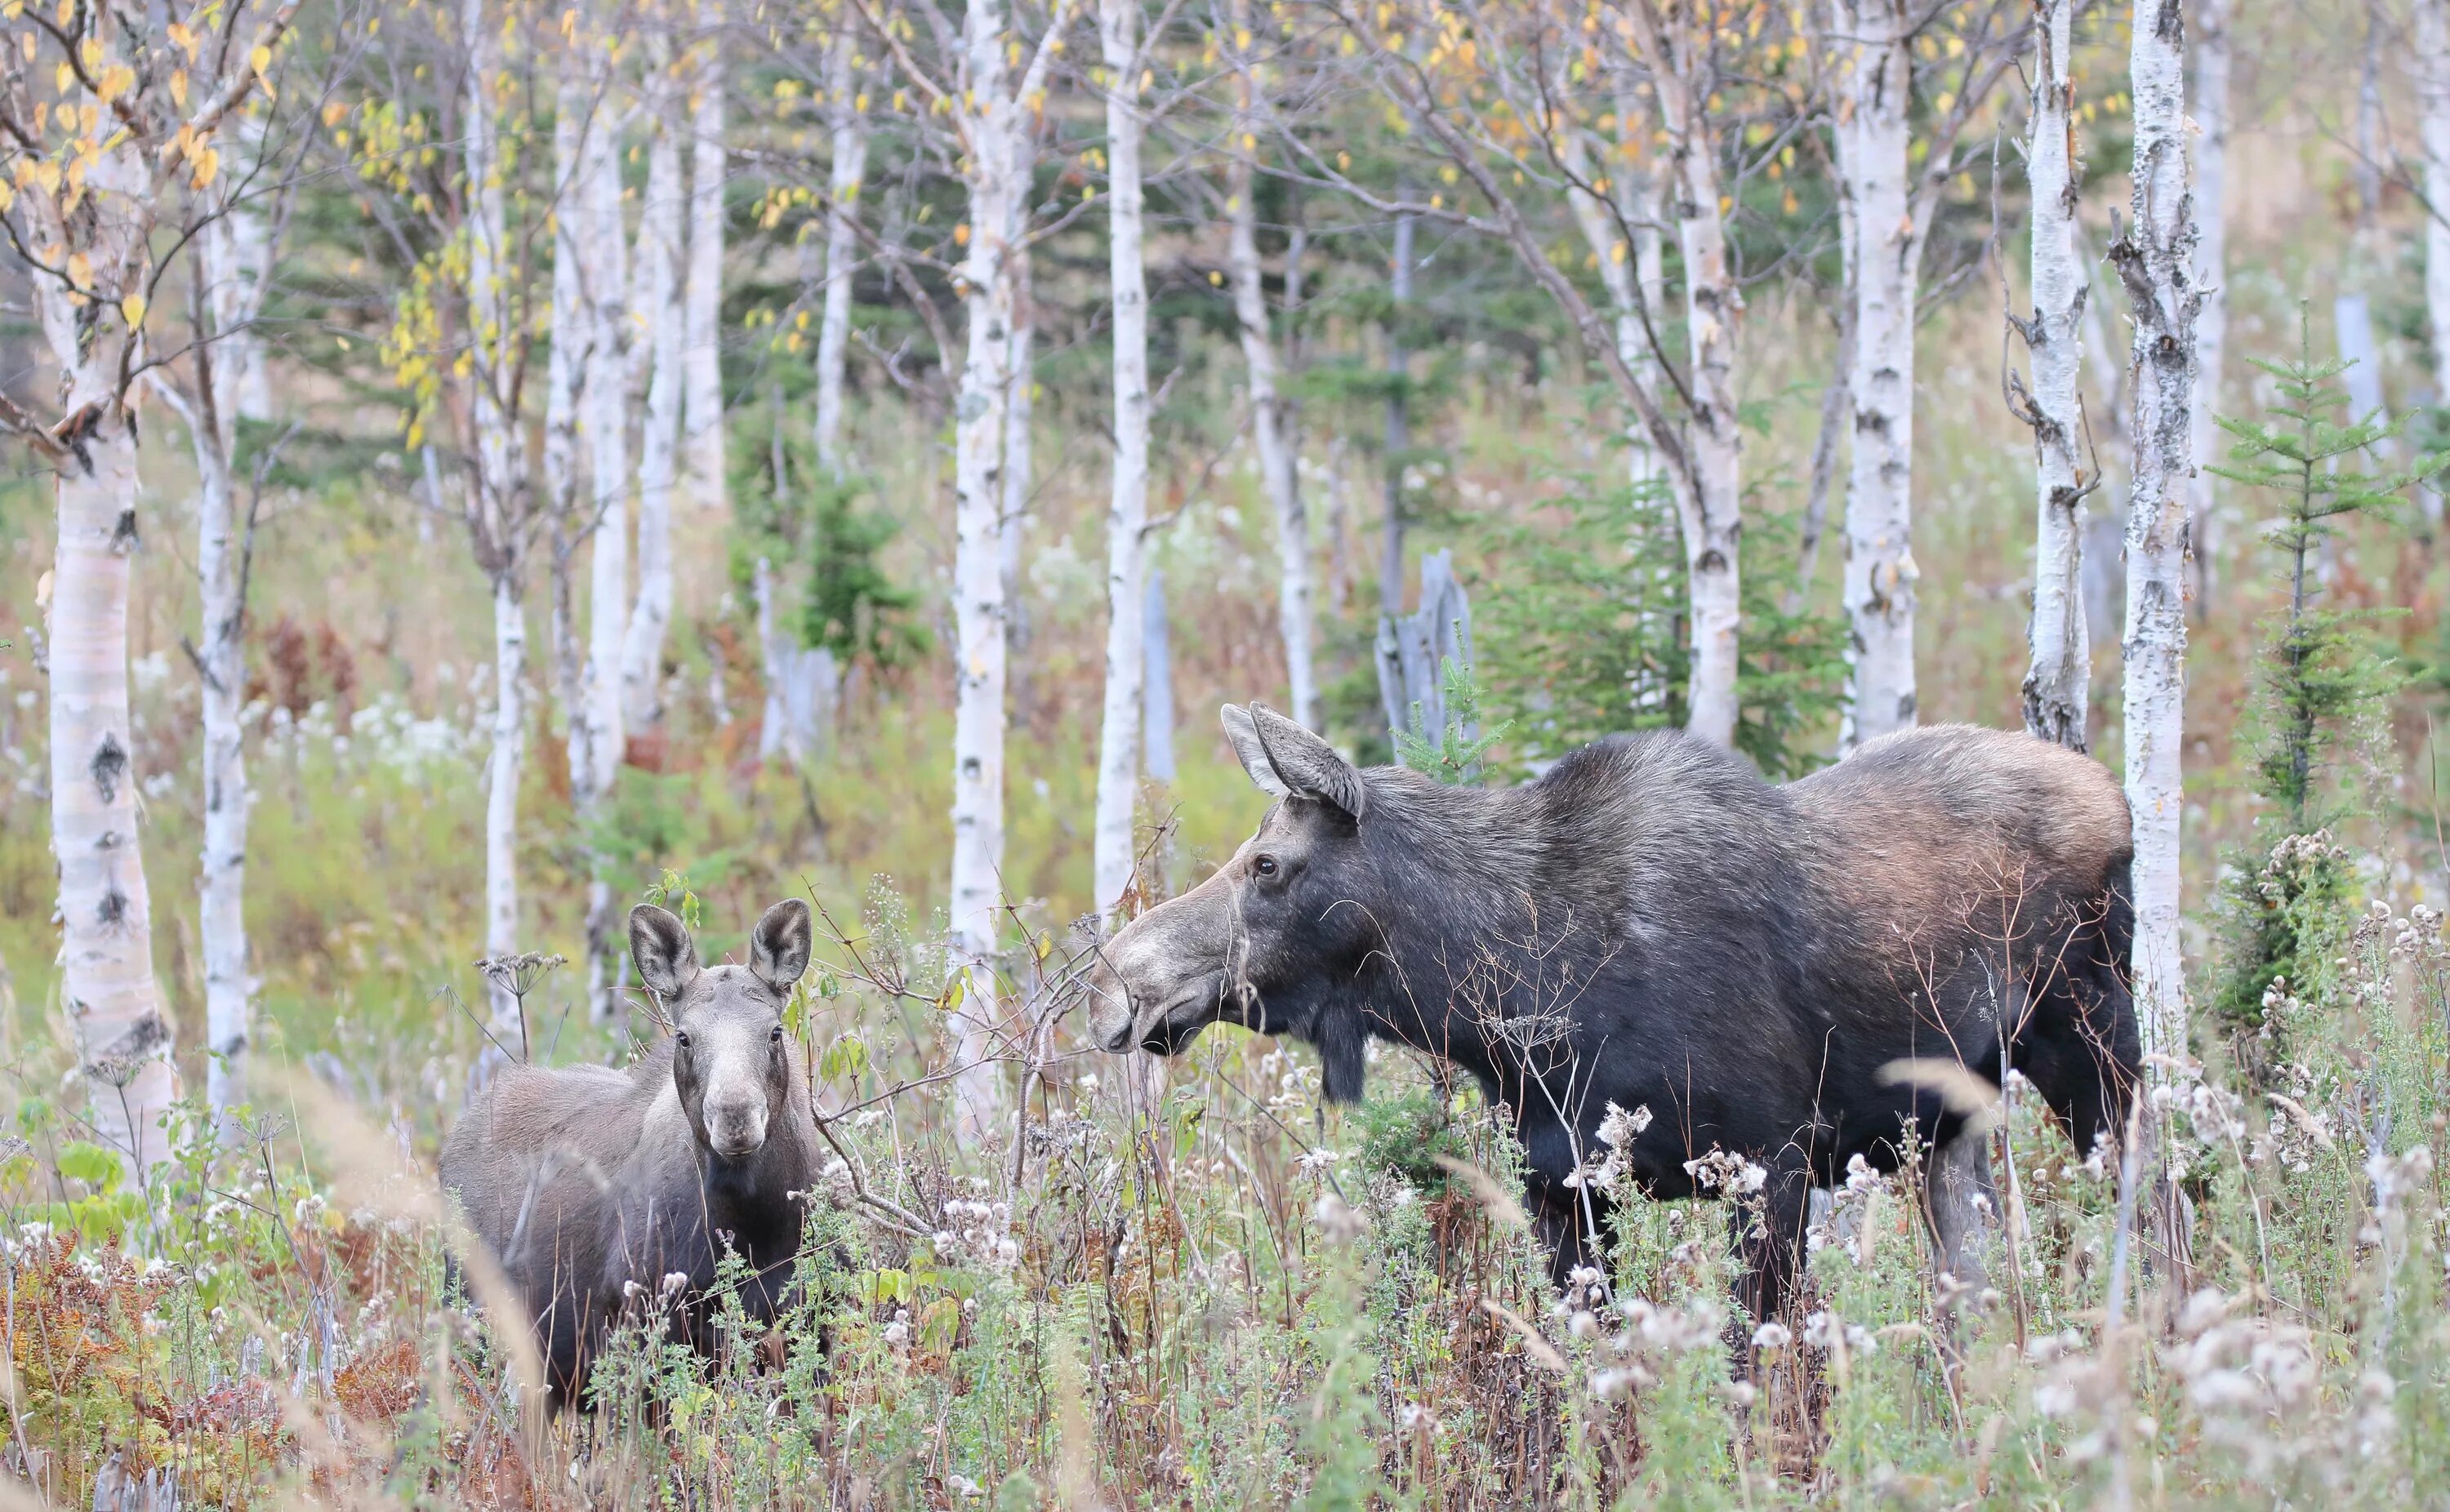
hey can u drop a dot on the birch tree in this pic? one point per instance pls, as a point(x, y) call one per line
point(1119, 734)
point(848, 137)
point(656, 303)
point(1478, 81)
point(2433, 127)
point(2155, 260)
point(2059, 665)
point(702, 359)
point(990, 89)
point(1270, 413)
point(1889, 216)
point(2210, 112)
point(126, 140)
point(464, 326)
point(228, 276)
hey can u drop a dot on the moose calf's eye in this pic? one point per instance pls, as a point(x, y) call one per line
point(775, 1037)
point(1265, 866)
point(681, 1038)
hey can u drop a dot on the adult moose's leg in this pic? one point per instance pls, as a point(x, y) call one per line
point(1956, 1187)
point(1575, 1239)
point(1769, 1235)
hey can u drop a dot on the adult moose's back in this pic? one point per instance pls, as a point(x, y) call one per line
point(1652, 926)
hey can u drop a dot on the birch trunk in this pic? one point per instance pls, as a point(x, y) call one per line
point(1118, 732)
point(106, 909)
point(2433, 100)
point(244, 266)
point(2156, 262)
point(1635, 277)
point(1019, 408)
point(842, 242)
point(1399, 441)
point(990, 120)
point(2059, 666)
point(1271, 420)
point(1875, 75)
point(658, 294)
point(2212, 118)
point(701, 362)
point(1712, 506)
point(221, 652)
point(494, 530)
point(502, 800)
point(598, 731)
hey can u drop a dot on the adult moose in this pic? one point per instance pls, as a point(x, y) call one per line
point(593, 1189)
point(1651, 924)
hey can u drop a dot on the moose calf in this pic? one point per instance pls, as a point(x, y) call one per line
point(593, 1187)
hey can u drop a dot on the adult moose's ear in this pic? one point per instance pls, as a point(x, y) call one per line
point(667, 956)
point(1308, 766)
point(777, 947)
point(1244, 733)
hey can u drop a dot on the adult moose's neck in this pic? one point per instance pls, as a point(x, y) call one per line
point(1470, 940)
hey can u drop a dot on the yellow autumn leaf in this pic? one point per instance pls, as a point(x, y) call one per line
point(261, 59)
point(208, 165)
point(8, 197)
point(179, 87)
point(80, 269)
point(116, 80)
point(131, 309)
point(63, 78)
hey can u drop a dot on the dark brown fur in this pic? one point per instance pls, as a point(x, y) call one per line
point(591, 1186)
point(1651, 924)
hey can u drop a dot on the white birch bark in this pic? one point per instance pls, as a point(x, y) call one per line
point(496, 533)
point(106, 909)
point(598, 731)
point(1271, 415)
point(849, 167)
point(702, 361)
point(2433, 104)
point(1876, 77)
point(220, 656)
point(657, 291)
point(2156, 262)
point(502, 770)
point(1711, 508)
point(2059, 665)
point(1619, 197)
point(2210, 109)
point(1020, 408)
point(1118, 731)
point(242, 267)
point(991, 111)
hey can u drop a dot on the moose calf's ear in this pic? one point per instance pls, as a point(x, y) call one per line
point(667, 956)
point(778, 948)
point(1308, 766)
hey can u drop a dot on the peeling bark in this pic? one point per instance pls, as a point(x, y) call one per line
point(2059, 664)
point(1873, 135)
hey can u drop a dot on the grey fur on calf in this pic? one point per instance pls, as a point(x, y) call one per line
point(592, 1187)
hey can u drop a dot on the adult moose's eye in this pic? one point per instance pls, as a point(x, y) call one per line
point(1264, 865)
point(775, 1035)
point(681, 1038)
